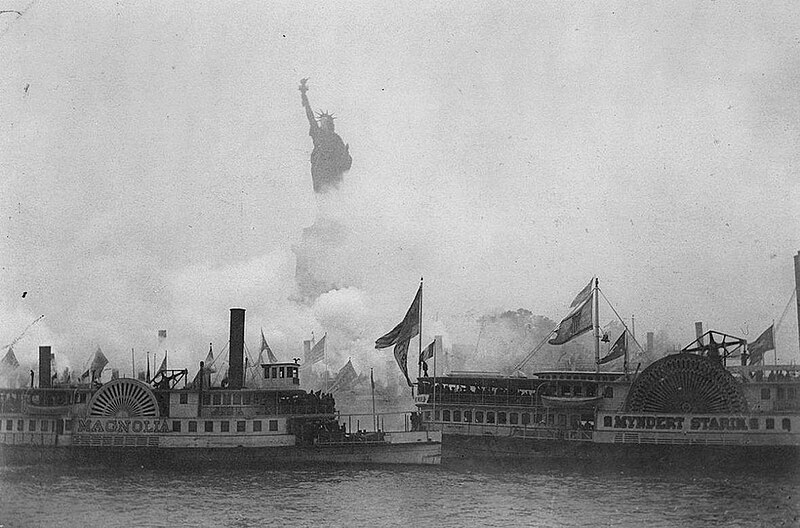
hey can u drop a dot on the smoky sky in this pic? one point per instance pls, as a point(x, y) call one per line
point(155, 168)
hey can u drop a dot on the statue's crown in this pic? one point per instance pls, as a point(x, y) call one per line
point(325, 115)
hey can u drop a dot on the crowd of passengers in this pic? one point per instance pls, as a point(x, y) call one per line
point(781, 375)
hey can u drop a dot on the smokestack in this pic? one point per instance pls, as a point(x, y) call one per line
point(236, 350)
point(649, 343)
point(698, 332)
point(44, 368)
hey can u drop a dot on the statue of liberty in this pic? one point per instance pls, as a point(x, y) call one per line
point(331, 156)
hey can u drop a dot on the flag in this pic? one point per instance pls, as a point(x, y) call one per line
point(619, 349)
point(99, 362)
point(9, 361)
point(408, 327)
point(428, 351)
point(765, 341)
point(162, 335)
point(584, 294)
point(401, 355)
point(317, 352)
point(573, 325)
point(347, 374)
point(265, 348)
point(147, 378)
point(114, 374)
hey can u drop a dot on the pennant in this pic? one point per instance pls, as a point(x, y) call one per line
point(265, 348)
point(401, 355)
point(163, 367)
point(573, 325)
point(9, 361)
point(208, 364)
point(317, 352)
point(371, 380)
point(344, 379)
point(408, 327)
point(619, 349)
point(766, 341)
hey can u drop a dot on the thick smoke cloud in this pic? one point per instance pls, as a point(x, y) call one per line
point(155, 172)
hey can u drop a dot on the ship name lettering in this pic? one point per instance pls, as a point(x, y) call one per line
point(648, 422)
point(123, 426)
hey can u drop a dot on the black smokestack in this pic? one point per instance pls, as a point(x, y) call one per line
point(44, 367)
point(236, 357)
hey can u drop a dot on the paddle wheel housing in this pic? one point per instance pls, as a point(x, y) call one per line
point(124, 398)
point(686, 383)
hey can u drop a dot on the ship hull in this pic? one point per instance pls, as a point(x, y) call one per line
point(460, 449)
point(411, 453)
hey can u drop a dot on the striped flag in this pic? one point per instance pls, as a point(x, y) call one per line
point(317, 352)
point(765, 342)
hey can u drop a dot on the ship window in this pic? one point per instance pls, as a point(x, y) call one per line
point(274, 372)
point(780, 394)
point(282, 372)
point(609, 392)
point(606, 421)
point(209, 426)
point(551, 419)
point(21, 425)
point(591, 390)
point(176, 426)
point(192, 426)
point(770, 423)
point(526, 418)
point(266, 372)
point(577, 390)
point(562, 420)
point(565, 390)
point(786, 424)
point(206, 399)
point(467, 416)
point(44, 425)
point(438, 415)
point(790, 393)
point(237, 399)
point(273, 425)
point(765, 393)
point(501, 418)
point(478, 416)
point(753, 423)
point(184, 398)
point(537, 418)
point(225, 426)
point(32, 425)
point(217, 399)
point(446, 415)
point(513, 418)
point(256, 426)
point(68, 425)
point(246, 399)
point(9, 425)
point(240, 426)
point(427, 415)
point(489, 417)
point(226, 399)
point(295, 372)
point(456, 416)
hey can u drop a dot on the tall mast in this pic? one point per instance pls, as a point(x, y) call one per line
point(797, 289)
point(596, 317)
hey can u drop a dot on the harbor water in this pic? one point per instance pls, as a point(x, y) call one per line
point(475, 495)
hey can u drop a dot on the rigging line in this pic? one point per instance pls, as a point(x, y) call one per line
point(780, 320)
point(533, 352)
point(621, 321)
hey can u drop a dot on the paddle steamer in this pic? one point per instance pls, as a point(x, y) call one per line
point(713, 399)
point(128, 420)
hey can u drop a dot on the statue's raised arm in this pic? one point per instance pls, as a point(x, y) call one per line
point(304, 98)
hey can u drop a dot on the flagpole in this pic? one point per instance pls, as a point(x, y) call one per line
point(774, 347)
point(325, 355)
point(434, 381)
point(374, 414)
point(596, 325)
point(420, 333)
point(133, 364)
